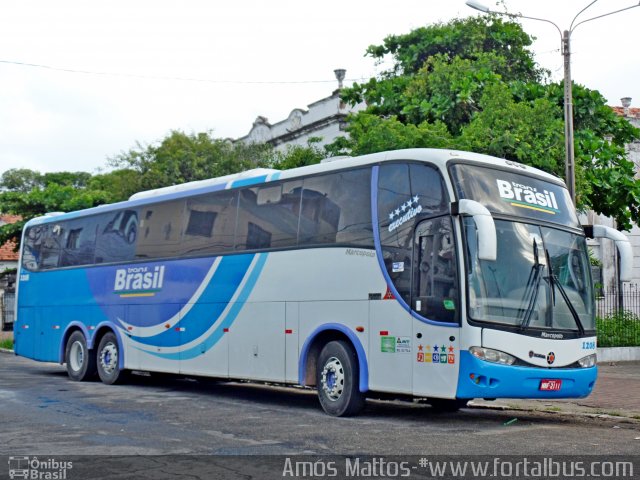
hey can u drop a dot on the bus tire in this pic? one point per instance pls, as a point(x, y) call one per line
point(337, 378)
point(107, 358)
point(81, 363)
point(447, 404)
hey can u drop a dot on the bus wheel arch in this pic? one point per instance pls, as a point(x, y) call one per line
point(79, 359)
point(334, 361)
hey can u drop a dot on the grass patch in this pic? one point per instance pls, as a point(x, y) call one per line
point(620, 329)
point(6, 343)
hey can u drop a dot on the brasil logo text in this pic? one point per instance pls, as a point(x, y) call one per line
point(525, 196)
point(138, 281)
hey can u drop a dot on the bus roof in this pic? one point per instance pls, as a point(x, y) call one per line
point(438, 157)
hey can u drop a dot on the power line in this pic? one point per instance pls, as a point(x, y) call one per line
point(181, 79)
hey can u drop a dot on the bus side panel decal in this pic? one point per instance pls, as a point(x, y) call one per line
point(217, 294)
point(362, 358)
point(223, 322)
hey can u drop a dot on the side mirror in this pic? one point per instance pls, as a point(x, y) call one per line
point(487, 242)
point(622, 244)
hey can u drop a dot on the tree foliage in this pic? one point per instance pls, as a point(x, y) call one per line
point(472, 84)
point(182, 157)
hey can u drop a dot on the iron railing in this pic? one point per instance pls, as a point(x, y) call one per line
point(618, 316)
point(7, 313)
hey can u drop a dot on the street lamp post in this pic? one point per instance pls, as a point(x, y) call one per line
point(565, 38)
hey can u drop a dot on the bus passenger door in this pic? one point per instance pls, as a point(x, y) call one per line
point(436, 299)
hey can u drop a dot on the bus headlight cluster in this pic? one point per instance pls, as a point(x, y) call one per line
point(588, 361)
point(493, 356)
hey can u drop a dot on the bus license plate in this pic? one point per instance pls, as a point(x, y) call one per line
point(550, 385)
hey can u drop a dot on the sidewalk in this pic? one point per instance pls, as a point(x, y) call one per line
point(617, 393)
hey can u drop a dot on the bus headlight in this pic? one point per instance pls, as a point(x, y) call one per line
point(588, 361)
point(493, 356)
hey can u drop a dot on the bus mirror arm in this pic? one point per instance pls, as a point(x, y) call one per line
point(487, 242)
point(622, 244)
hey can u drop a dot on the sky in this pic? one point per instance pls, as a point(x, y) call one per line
point(83, 81)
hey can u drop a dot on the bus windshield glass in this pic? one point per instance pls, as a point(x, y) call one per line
point(540, 279)
point(515, 194)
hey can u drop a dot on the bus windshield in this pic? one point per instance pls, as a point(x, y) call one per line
point(540, 279)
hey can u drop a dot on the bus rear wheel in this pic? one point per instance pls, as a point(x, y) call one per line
point(337, 379)
point(81, 363)
point(107, 360)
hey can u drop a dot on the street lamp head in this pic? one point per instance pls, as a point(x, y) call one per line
point(478, 6)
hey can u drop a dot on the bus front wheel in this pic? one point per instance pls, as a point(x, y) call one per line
point(81, 364)
point(107, 360)
point(337, 379)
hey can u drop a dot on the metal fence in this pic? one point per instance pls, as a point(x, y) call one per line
point(618, 316)
point(7, 311)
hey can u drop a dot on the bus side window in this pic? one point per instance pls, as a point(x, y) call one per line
point(117, 234)
point(51, 246)
point(210, 223)
point(396, 224)
point(79, 244)
point(268, 216)
point(162, 230)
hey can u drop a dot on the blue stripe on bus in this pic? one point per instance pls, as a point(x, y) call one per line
point(376, 238)
point(228, 320)
point(217, 294)
point(243, 182)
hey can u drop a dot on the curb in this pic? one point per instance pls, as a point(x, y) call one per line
point(6, 350)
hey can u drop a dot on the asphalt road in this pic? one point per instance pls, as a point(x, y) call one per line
point(43, 412)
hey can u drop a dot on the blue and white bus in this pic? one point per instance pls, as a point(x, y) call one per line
point(434, 274)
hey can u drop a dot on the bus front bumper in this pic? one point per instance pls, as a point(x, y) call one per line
point(481, 379)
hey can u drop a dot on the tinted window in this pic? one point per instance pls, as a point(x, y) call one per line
point(160, 230)
point(42, 246)
point(79, 242)
point(117, 235)
point(211, 223)
point(407, 193)
point(268, 216)
point(336, 208)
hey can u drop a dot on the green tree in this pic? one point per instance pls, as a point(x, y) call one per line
point(20, 179)
point(41, 200)
point(473, 84)
point(182, 157)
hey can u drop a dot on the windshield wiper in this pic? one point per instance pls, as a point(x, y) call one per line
point(553, 281)
point(533, 282)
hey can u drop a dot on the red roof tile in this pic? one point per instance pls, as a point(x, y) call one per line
point(7, 253)
point(633, 112)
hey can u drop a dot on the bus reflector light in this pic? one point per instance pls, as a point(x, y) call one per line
point(129, 328)
point(384, 333)
point(493, 356)
point(92, 327)
point(359, 329)
point(167, 325)
point(56, 327)
point(225, 330)
point(288, 331)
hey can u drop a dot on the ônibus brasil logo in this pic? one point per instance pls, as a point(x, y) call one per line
point(525, 196)
point(138, 281)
